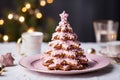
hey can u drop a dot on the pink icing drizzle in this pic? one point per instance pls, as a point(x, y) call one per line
point(62, 35)
point(65, 44)
point(64, 30)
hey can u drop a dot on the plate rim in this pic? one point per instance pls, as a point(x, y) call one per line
point(65, 72)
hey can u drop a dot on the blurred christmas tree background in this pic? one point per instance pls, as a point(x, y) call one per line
point(27, 16)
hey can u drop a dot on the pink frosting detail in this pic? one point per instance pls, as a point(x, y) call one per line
point(55, 52)
point(67, 52)
point(58, 61)
point(65, 44)
point(67, 40)
point(7, 59)
point(82, 58)
point(64, 27)
point(62, 35)
point(63, 24)
point(64, 16)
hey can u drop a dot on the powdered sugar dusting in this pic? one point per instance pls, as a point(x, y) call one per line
point(65, 52)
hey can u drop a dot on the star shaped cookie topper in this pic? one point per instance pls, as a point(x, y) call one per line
point(64, 16)
point(7, 59)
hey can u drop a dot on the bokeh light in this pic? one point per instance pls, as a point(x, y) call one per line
point(5, 38)
point(42, 3)
point(28, 5)
point(50, 1)
point(30, 29)
point(21, 19)
point(1, 21)
point(39, 15)
point(10, 16)
point(24, 9)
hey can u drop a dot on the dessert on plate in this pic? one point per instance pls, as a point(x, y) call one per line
point(65, 52)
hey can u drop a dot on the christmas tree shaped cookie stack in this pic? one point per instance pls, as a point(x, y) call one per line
point(65, 52)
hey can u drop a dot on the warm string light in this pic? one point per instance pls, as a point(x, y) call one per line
point(10, 16)
point(30, 29)
point(24, 9)
point(16, 17)
point(42, 2)
point(39, 15)
point(28, 5)
point(5, 38)
point(49, 1)
point(21, 19)
point(1, 21)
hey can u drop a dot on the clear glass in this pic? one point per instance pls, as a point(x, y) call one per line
point(105, 30)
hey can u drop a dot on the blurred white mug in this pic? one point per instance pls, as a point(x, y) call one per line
point(31, 43)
